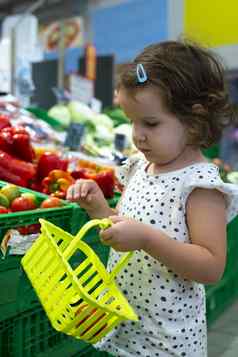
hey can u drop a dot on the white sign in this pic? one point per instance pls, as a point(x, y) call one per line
point(96, 105)
point(5, 66)
point(82, 89)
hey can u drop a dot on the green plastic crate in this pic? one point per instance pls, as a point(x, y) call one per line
point(212, 152)
point(92, 352)
point(222, 294)
point(65, 216)
point(17, 294)
point(24, 327)
point(30, 334)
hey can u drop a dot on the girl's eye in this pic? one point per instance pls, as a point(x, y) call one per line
point(150, 125)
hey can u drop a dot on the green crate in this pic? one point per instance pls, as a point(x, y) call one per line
point(22, 319)
point(64, 216)
point(17, 294)
point(232, 230)
point(220, 296)
point(30, 334)
point(232, 259)
point(212, 152)
point(92, 352)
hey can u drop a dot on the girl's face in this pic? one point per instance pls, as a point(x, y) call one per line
point(157, 133)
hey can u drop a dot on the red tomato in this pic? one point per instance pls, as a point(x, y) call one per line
point(3, 210)
point(22, 204)
point(32, 228)
point(51, 202)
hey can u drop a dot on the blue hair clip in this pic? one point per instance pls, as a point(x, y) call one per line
point(141, 73)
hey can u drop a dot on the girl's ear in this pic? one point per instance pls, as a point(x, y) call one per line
point(198, 109)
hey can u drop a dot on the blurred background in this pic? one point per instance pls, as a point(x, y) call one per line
point(59, 62)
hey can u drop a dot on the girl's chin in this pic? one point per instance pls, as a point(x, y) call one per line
point(146, 153)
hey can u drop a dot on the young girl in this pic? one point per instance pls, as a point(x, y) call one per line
point(174, 208)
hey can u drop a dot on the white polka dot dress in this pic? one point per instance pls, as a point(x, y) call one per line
point(171, 310)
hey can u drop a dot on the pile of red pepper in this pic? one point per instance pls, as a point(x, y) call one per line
point(16, 141)
point(16, 171)
point(16, 154)
point(18, 166)
point(47, 162)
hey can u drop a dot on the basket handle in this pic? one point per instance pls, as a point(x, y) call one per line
point(103, 224)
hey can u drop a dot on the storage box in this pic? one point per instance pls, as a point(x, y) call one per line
point(65, 216)
point(222, 294)
point(30, 334)
point(17, 294)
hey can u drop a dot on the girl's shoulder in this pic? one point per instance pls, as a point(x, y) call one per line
point(202, 172)
point(206, 176)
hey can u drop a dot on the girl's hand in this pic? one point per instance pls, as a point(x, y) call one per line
point(88, 194)
point(125, 234)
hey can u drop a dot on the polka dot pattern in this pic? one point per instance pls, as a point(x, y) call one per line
point(171, 309)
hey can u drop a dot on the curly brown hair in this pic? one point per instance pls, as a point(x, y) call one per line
point(191, 80)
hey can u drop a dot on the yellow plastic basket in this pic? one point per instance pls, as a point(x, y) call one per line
point(84, 302)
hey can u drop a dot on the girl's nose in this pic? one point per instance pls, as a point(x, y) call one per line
point(139, 135)
point(139, 139)
point(142, 139)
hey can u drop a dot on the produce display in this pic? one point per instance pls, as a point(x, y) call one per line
point(33, 156)
point(13, 200)
point(100, 129)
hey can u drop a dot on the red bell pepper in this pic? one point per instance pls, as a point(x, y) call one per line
point(57, 183)
point(16, 141)
point(6, 141)
point(105, 180)
point(48, 162)
point(104, 176)
point(80, 173)
point(24, 170)
point(8, 176)
point(4, 121)
point(22, 147)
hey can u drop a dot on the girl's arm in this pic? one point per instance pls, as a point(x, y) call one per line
point(203, 260)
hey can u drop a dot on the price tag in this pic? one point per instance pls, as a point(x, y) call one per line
point(81, 88)
point(96, 105)
point(74, 136)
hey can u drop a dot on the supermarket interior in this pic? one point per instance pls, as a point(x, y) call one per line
point(118, 178)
